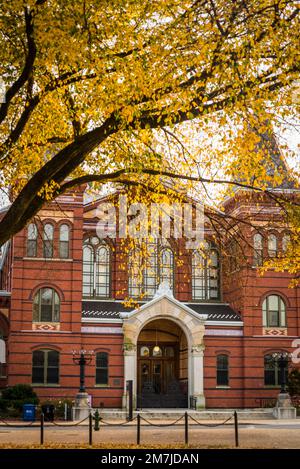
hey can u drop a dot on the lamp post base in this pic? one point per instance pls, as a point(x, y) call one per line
point(81, 409)
point(284, 408)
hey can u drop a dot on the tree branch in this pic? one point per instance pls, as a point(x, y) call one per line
point(27, 69)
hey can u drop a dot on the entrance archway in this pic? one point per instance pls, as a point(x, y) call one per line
point(192, 325)
point(162, 365)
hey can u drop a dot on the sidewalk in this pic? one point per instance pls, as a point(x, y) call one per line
point(254, 434)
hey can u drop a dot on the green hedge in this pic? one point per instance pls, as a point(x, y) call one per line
point(13, 398)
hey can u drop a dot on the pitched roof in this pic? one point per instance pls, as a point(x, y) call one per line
point(112, 309)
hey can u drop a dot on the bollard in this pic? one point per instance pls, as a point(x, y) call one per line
point(138, 429)
point(236, 429)
point(90, 429)
point(97, 419)
point(186, 428)
point(42, 429)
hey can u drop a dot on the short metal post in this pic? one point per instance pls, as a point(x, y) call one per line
point(97, 419)
point(186, 428)
point(90, 429)
point(42, 429)
point(138, 429)
point(236, 429)
point(129, 400)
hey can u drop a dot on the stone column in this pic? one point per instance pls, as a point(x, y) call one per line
point(129, 372)
point(197, 390)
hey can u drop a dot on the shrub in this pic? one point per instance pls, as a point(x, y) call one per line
point(19, 392)
point(15, 397)
point(294, 382)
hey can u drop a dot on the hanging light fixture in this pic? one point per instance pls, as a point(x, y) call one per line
point(156, 349)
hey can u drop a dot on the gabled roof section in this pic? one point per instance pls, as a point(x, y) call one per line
point(158, 299)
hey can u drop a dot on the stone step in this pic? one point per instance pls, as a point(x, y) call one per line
point(173, 414)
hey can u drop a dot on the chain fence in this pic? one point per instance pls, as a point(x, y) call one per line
point(96, 421)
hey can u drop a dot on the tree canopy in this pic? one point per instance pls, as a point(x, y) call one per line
point(140, 92)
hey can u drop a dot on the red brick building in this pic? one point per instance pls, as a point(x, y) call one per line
point(208, 331)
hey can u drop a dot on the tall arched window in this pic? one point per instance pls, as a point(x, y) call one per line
point(198, 276)
point(45, 367)
point(166, 266)
point(222, 370)
point(148, 270)
point(272, 371)
point(103, 271)
point(46, 306)
point(64, 241)
point(274, 312)
point(150, 280)
point(135, 273)
point(96, 268)
point(48, 240)
point(272, 245)
point(258, 249)
point(32, 234)
point(205, 275)
point(286, 239)
point(102, 368)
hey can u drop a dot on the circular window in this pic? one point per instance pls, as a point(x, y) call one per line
point(156, 352)
point(145, 352)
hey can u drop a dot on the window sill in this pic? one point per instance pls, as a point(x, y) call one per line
point(55, 259)
point(272, 386)
point(43, 323)
point(105, 386)
point(39, 385)
point(223, 387)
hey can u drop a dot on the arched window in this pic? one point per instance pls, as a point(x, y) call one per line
point(198, 276)
point(32, 234)
point(135, 272)
point(272, 371)
point(96, 268)
point(88, 271)
point(222, 370)
point(48, 240)
point(103, 271)
point(45, 367)
point(148, 270)
point(213, 275)
point(205, 275)
point(166, 266)
point(64, 241)
point(286, 239)
point(102, 368)
point(274, 313)
point(258, 249)
point(272, 245)
point(46, 306)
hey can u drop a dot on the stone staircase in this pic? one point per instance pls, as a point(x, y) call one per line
point(173, 398)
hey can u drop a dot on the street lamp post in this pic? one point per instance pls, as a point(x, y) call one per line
point(282, 358)
point(82, 358)
point(284, 408)
point(82, 406)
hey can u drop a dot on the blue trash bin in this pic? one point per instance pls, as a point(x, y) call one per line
point(29, 412)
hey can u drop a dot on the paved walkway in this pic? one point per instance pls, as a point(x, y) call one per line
point(255, 434)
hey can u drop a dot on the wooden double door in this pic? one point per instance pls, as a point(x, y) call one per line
point(158, 375)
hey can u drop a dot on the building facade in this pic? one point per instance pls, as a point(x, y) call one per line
point(197, 329)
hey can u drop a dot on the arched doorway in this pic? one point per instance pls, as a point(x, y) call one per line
point(162, 365)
